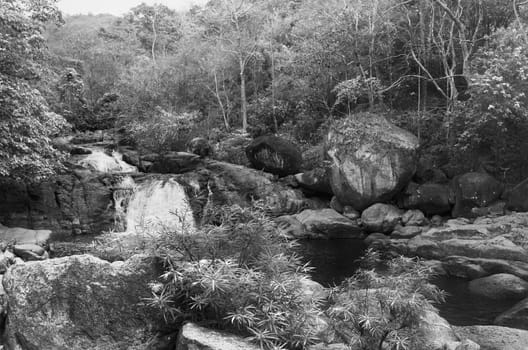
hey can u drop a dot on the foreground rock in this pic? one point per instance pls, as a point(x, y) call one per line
point(516, 317)
point(372, 159)
point(80, 302)
point(495, 338)
point(500, 286)
point(274, 155)
point(194, 337)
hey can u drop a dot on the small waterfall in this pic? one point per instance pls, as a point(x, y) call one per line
point(158, 205)
point(99, 160)
point(122, 192)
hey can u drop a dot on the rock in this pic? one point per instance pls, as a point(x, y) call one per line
point(462, 267)
point(436, 333)
point(30, 252)
point(414, 218)
point(499, 286)
point(405, 232)
point(430, 198)
point(494, 338)
point(23, 235)
point(474, 190)
point(430, 174)
point(467, 344)
point(437, 220)
point(313, 291)
point(336, 205)
point(516, 317)
point(80, 151)
point(175, 163)
point(350, 212)
point(372, 160)
point(233, 150)
point(292, 228)
point(518, 197)
point(373, 237)
point(200, 146)
point(316, 180)
point(80, 302)
point(381, 218)
point(274, 155)
point(194, 337)
point(329, 223)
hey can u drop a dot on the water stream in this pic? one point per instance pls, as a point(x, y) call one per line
point(100, 160)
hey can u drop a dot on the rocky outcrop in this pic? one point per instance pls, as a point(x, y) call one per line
point(430, 198)
point(495, 338)
point(474, 190)
point(500, 286)
point(516, 317)
point(381, 218)
point(194, 337)
point(80, 302)
point(274, 155)
point(372, 160)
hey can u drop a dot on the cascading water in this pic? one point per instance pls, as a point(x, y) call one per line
point(158, 205)
point(122, 192)
point(99, 160)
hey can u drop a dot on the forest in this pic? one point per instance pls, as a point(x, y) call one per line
point(265, 174)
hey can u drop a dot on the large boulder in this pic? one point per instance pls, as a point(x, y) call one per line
point(500, 286)
point(518, 197)
point(372, 159)
point(381, 218)
point(329, 223)
point(516, 317)
point(474, 190)
point(274, 155)
point(495, 338)
point(80, 302)
point(194, 337)
point(430, 198)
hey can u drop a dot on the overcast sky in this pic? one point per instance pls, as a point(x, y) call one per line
point(118, 7)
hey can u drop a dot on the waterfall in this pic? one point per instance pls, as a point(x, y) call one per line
point(99, 160)
point(158, 205)
point(122, 192)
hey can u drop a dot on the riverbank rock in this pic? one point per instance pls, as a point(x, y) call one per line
point(516, 317)
point(381, 218)
point(194, 337)
point(372, 159)
point(474, 190)
point(499, 286)
point(430, 198)
point(494, 337)
point(80, 302)
point(329, 224)
point(274, 155)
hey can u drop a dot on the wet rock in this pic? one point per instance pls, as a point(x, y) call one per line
point(516, 317)
point(316, 180)
point(80, 302)
point(200, 146)
point(329, 223)
point(494, 337)
point(414, 218)
point(194, 337)
point(430, 198)
point(381, 218)
point(474, 190)
point(274, 155)
point(499, 286)
point(372, 160)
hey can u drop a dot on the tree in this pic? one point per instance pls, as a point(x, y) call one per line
point(26, 124)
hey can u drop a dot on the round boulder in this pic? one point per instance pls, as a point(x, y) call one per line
point(500, 286)
point(274, 155)
point(430, 198)
point(381, 218)
point(372, 159)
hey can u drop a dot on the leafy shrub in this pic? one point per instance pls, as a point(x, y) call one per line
point(381, 308)
point(165, 131)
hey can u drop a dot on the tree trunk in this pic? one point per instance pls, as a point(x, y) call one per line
point(243, 102)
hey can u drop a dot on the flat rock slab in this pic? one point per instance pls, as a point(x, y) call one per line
point(194, 337)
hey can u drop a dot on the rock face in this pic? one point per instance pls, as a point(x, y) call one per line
point(474, 190)
point(372, 159)
point(80, 302)
point(274, 155)
point(381, 218)
point(516, 317)
point(194, 337)
point(500, 286)
point(71, 204)
point(518, 197)
point(430, 198)
point(495, 338)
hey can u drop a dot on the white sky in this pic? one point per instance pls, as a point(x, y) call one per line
point(119, 7)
